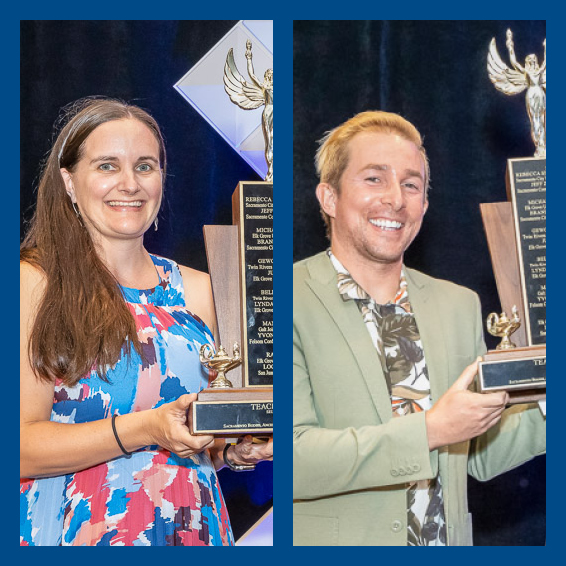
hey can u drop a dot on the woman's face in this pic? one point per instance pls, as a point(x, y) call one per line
point(117, 183)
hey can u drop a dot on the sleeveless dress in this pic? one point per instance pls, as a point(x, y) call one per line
point(153, 498)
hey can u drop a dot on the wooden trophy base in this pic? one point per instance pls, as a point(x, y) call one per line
point(232, 412)
point(499, 228)
point(519, 371)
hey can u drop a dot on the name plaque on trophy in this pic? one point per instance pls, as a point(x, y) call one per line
point(252, 209)
point(527, 188)
point(240, 260)
point(234, 417)
point(522, 371)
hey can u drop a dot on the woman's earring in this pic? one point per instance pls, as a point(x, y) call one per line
point(76, 210)
point(155, 223)
point(78, 213)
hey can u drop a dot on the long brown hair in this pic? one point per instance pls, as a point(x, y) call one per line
point(83, 322)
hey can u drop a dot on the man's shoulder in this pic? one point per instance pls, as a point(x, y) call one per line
point(446, 289)
point(312, 277)
point(316, 266)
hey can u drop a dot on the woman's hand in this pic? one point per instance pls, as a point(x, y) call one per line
point(167, 427)
point(247, 452)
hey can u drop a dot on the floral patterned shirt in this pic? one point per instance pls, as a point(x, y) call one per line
point(394, 333)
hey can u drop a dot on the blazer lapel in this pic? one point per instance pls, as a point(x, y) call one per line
point(427, 314)
point(349, 321)
point(427, 307)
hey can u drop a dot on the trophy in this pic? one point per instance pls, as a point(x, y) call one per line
point(517, 79)
point(240, 261)
point(516, 235)
point(251, 95)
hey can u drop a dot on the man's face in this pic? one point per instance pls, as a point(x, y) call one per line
point(379, 208)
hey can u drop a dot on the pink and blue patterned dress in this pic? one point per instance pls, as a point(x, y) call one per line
point(153, 498)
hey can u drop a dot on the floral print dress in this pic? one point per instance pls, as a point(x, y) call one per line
point(153, 498)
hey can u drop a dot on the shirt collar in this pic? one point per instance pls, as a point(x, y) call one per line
point(350, 289)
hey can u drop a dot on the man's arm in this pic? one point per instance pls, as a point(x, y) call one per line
point(329, 461)
point(518, 437)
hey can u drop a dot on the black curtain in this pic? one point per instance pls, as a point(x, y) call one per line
point(139, 62)
point(434, 74)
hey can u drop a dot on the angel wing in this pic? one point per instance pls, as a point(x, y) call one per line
point(245, 95)
point(505, 79)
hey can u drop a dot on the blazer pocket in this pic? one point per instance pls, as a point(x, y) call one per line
point(312, 530)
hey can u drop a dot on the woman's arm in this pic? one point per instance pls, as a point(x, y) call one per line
point(48, 448)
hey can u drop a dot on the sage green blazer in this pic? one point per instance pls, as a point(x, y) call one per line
point(351, 459)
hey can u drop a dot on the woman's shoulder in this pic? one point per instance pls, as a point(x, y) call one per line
point(189, 274)
point(32, 277)
point(32, 289)
point(198, 294)
point(195, 282)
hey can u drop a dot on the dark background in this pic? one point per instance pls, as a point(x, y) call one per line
point(434, 74)
point(139, 62)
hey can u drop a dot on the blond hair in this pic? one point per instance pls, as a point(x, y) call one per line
point(332, 155)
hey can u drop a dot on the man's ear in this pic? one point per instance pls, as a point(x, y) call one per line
point(69, 187)
point(326, 195)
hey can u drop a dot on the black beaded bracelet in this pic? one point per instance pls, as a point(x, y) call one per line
point(126, 453)
point(235, 467)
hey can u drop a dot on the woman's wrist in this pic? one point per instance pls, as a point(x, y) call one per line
point(148, 426)
point(117, 437)
point(135, 430)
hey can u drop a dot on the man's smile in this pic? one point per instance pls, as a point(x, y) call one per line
point(385, 224)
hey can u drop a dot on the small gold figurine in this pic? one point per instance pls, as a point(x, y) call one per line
point(220, 362)
point(502, 326)
point(252, 95)
point(513, 81)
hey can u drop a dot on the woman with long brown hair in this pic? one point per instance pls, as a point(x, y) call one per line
point(110, 336)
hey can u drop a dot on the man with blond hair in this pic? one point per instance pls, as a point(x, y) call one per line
point(385, 425)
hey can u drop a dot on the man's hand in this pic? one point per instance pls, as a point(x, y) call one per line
point(460, 415)
point(248, 452)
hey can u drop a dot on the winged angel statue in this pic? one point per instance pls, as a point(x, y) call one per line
point(513, 81)
point(252, 95)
